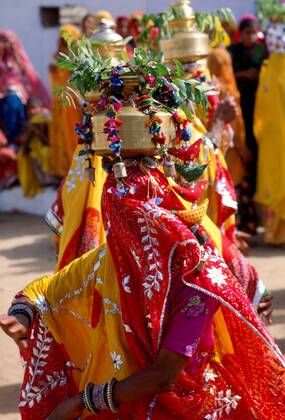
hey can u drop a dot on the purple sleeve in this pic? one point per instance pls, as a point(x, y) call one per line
point(189, 325)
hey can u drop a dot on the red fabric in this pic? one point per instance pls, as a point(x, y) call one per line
point(152, 238)
point(214, 102)
point(189, 153)
point(155, 250)
point(243, 271)
point(46, 380)
point(8, 167)
point(192, 193)
point(96, 308)
point(84, 238)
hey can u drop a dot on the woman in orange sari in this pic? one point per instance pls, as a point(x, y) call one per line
point(220, 66)
point(63, 139)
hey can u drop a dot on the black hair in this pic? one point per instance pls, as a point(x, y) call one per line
point(247, 23)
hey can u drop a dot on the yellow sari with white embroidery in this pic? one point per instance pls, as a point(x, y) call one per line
point(82, 227)
point(269, 129)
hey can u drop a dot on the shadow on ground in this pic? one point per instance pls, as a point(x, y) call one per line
point(32, 257)
point(23, 225)
point(9, 395)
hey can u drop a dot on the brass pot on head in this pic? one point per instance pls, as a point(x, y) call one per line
point(135, 134)
point(187, 44)
point(109, 43)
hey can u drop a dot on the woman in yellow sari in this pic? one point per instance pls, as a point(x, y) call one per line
point(269, 129)
point(63, 139)
point(33, 158)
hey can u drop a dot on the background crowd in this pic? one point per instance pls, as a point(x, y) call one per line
point(37, 136)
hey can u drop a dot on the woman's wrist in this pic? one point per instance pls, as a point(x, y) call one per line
point(97, 398)
point(24, 312)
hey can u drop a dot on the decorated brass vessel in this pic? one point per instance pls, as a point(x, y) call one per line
point(136, 139)
point(187, 44)
point(109, 43)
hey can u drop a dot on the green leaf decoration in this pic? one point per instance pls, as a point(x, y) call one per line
point(189, 110)
point(205, 23)
point(190, 173)
point(162, 69)
point(270, 10)
point(179, 68)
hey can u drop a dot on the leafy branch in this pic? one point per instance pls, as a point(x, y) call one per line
point(89, 72)
point(194, 92)
point(86, 66)
point(270, 10)
point(204, 21)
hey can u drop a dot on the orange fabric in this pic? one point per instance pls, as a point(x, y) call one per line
point(63, 139)
point(220, 66)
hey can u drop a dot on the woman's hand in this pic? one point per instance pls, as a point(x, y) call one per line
point(227, 110)
point(16, 328)
point(242, 242)
point(69, 409)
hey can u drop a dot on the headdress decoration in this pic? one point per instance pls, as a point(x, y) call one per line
point(157, 88)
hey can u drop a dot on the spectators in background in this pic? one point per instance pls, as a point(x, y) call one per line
point(88, 25)
point(63, 139)
point(8, 163)
point(18, 81)
point(34, 160)
point(247, 57)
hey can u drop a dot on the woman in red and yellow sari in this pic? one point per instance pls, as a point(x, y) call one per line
point(75, 216)
point(158, 310)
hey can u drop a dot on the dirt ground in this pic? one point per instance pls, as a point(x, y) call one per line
point(26, 252)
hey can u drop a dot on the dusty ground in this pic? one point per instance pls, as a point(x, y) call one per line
point(26, 252)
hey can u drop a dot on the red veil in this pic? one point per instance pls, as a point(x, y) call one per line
point(147, 241)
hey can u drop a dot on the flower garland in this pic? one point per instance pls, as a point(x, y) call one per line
point(145, 104)
point(84, 132)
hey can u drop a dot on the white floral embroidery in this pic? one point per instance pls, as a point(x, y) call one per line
point(111, 307)
point(78, 171)
point(222, 190)
point(147, 221)
point(210, 375)
point(117, 360)
point(85, 283)
point(108, 227)
point(127, 328)
point(72, 365)
point(216, 258)
point(42, 304)
point(136, 258)
point(125, 284)
point(78, 316)
point(216, 276)
point(36, 389)
point(225, 402)
point(149, 323)
point(99, 281)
